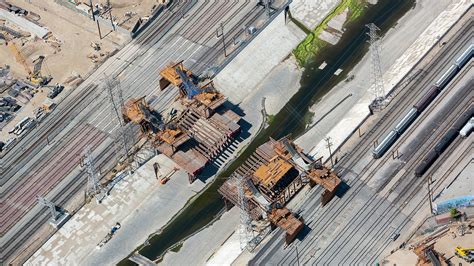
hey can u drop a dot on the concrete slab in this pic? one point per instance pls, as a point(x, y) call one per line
point(209, 240)
point(133, 203)
point(310, 12)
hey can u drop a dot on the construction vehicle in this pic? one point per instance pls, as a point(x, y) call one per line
point(34, 76)
point(466, 254)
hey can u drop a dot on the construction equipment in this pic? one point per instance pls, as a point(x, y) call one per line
point(138, 112)
point(179, 76)
point(170, 76)
point(466, 254)
point(34, 76)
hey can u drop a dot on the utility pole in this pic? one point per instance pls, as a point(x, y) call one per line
point(430, 194)
point(328, 145)
point(98, 28)
point(376, 67)
point(92, 12)
point(223, 39)
point(111, 20)
point(245, 227)
point(297, 256)
point(51, 206)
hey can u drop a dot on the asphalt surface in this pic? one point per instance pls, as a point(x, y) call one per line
point(46, 161)
point(383, 195)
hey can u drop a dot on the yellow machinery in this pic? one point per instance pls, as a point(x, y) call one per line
point(34, 76)
point(465, 253)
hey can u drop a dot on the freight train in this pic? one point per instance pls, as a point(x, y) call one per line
point(444, 143)
point(421, 105)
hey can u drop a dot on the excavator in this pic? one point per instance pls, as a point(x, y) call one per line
point(466, 254)
point(34, 76)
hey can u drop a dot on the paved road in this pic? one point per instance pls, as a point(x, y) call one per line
point(383, 195)
point(46, 161)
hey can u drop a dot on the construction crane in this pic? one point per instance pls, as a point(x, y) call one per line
point(34, 76)
point(466, 254)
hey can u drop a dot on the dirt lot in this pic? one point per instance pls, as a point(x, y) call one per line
point(445, 245)
point(127, 12)
point(67, 49)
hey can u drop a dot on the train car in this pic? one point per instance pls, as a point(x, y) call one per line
point(446, 77)
point(429, 159)
point(464, 57)
point(385, 144)
point(466, 130)
point(446, 140)
point(406, 121)
point(426, 99)
point(462, 120)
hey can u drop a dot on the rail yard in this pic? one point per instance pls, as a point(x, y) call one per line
point(388, 192)
point(143, 130)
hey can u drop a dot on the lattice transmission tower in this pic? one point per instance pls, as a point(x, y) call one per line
point(245, 227)
point(122, 136)
point(94, 188)
point(376, 67)
point(51, 206)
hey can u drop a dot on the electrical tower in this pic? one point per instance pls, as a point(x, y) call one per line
point(94, 188)
point(122, 138)
point(267, 5)
point(52, 208)
point(245, 227)
point(376, 67)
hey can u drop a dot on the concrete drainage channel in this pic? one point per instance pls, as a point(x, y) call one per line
point(208, 205)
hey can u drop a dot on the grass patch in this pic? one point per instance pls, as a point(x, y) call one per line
point(310, 46)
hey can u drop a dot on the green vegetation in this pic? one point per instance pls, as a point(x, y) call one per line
point(310, 46)
point(270, 118)
point(454, 212)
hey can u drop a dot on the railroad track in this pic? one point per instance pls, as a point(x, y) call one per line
point(45, 177)
point(364, 147)
point(400, 200)
point(42, 217)
point(211, 55)
point(141, 46)
point(402, 102)
point(375, 196)
point(436, 186)
point(364, 211)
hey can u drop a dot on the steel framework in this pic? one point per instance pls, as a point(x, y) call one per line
point(376, 68)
